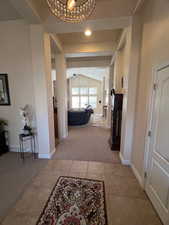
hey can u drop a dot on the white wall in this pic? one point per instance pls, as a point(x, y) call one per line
point(111, 84)
point(119, 70)
point(124, 150)
point(89, 47)
point(61, 94)
point(92, 72)
point(127, 65)
point(49, 85)
point(122, 69)
point(41, 64)
point(25, 56)
point(15, 60)
point(88, 62)
point(131, 64)
point(155, 45)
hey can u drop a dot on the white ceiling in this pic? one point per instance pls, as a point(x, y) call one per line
point(113, 8)
point(97, 36)
point(7, 11)
point(109, 14)
point(91, 72)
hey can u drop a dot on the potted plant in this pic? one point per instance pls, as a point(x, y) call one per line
point(3, 124)
point(25, 114)
point(3, 137)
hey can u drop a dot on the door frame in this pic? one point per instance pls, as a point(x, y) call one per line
point(150, 109)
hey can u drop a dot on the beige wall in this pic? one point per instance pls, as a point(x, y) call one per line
point(122, 69)
point(118, 71)
point(25, 56)
point(48, 75)
point(126, 65)
point(122, 62)
point(125, 70)
point(155, 51)
point(88, 62)
point(61, 95)
point(41, 64)
point(15, 60)
point(90, 47)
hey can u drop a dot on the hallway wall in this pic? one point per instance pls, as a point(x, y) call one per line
point(25, 56)
point(15, 60)
point(88, 62)
point(119, 70)
point(155, 51)
point(61, 93)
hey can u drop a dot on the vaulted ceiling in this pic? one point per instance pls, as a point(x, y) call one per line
point(92, 72)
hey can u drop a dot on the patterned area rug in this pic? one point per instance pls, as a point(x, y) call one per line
point(75, 201)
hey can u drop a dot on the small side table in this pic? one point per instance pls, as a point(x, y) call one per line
point(25, 138)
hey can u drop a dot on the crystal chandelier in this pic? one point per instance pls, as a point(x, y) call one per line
point(74, 11)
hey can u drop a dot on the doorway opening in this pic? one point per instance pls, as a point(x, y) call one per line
point(88, 90)
point(88, 94)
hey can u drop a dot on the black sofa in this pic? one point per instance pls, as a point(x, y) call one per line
point(79, 117)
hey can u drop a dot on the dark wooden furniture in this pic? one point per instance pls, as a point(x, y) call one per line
point(105, 108)
point(116, 121)
point(56, 123)
point(3, 142)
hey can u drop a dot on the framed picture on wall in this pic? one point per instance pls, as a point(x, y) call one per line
point(4, 90)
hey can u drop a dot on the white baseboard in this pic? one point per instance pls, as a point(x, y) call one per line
point(44, 156)
point(124, 161)
point(63, 138)
point(47, 155)
point(65, 135)
point(136, 173)
point(40, 156)
point(13, 148)
point(16, 148)
point(53, 152)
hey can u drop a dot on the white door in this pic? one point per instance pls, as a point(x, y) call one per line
point(157, 183)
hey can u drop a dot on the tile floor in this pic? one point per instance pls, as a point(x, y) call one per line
point(126, 202)
point(15, 177)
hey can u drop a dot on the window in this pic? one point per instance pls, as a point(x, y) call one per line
point(92, 91)
point(75, 101)
point(93, 101)
point(83, 101)
point(84, 91)
point(75, 91)
point(83, 96)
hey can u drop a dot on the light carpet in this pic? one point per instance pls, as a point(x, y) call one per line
point(87, 144)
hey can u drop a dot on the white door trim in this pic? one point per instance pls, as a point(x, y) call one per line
point(150, 106)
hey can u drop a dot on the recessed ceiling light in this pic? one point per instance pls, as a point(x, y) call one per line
point(88, 32)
